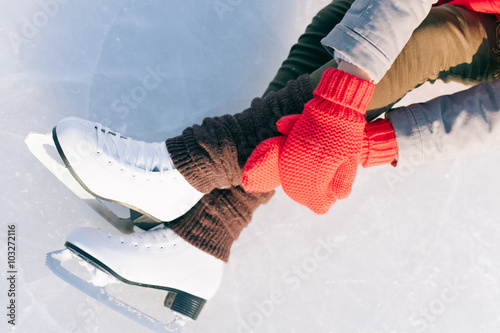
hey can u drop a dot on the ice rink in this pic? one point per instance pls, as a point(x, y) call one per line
point(411, 250)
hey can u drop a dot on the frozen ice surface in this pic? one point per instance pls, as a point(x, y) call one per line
point(414, 250)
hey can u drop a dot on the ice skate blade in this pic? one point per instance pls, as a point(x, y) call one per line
point(179, 301)
point(54, 261)
point(39, 144)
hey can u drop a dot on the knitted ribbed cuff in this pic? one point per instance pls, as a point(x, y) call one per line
point(345, 89)
point(379, 144)
point(191, 161)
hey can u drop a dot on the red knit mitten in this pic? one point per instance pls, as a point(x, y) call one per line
point(318, 160)
point(320, 156)
point(337, 152)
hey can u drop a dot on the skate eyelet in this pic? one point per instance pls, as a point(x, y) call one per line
point(148, 247)
point(110, 162)
point(162, 247)
point(136, 245)
point(174, 245)
point(122, 169)
point(122, 242)
point(98, 152)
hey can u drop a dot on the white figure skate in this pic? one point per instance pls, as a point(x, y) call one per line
point(156, 259)
point(99, 164)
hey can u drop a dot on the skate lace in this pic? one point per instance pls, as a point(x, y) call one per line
point(149, 157)
point(160, 237)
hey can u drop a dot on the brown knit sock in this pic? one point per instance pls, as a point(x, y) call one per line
point(216, 221)
point(212, 155)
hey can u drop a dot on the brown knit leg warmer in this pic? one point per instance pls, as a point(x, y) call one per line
point(212, 155)
point(216, 221)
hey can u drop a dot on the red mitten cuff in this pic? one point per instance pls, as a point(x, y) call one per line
point(379, 144)
point(345, 89)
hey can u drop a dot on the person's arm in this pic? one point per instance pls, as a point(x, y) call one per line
point(464, 123)
point(373, 33)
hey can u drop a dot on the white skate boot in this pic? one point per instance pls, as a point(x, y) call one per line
point(135, 174)
point(153, 259)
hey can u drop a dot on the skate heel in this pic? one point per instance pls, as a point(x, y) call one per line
point(184, 303)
